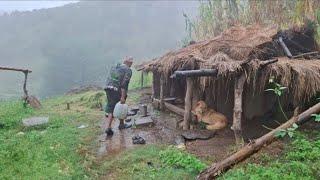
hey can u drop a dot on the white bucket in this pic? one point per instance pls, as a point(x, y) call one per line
point(120, 111)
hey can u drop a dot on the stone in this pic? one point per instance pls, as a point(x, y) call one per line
point(35, 121)
point(34, 102)
point(143, 122)
point(20, 133)
point(82, 126)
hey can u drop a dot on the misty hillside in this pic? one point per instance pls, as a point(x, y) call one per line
point(76, 44)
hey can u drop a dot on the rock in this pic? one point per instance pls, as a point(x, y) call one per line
point(20, 133)
point(82, 126)
point(33, 102)
point(198, 134)
point(35, 121)
point(143, 122)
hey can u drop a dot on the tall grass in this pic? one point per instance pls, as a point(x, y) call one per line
point(135, 82)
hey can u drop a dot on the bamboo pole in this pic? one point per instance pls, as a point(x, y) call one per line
point(237, 111)
point(255, 145)
point(188, 104)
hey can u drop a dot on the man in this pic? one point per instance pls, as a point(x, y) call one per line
point(116, 90)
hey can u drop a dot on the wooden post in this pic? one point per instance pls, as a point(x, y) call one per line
point(142, 79)
point(161, 92)
point(25, 84)
point(237, 111)
point(153, 87)
point(188, 104)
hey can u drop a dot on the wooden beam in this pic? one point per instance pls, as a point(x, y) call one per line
point(188, 104)
point(15, 69)
point(195, 73)
point(255, 145)
point(174, 109)
point(237, 110)
point(285, 48)
point(306, 54)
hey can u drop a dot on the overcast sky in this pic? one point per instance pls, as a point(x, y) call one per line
point(7, 6)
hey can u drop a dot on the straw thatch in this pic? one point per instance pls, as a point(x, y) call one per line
point(243, 50)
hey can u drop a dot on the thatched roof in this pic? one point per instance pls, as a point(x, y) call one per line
point(245, 49)
point(236, 43)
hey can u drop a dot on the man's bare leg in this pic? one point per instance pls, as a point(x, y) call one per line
point(110, 119)
point(109, 124)
point(121, 122)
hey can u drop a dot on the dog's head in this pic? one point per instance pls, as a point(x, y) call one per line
point(199, 108)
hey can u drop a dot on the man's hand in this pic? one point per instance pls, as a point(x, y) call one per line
point(122, 100)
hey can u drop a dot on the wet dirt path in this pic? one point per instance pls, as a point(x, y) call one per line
point(122, 139)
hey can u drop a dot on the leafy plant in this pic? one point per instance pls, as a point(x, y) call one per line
point(180, 159)
point(316, 116)
point(278, 90)
point(289, 131)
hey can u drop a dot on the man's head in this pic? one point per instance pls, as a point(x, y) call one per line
point(128, 61)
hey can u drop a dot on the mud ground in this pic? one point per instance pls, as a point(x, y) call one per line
point(163, 132)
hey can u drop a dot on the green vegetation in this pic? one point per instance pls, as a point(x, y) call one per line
point(152, 162)
point(301, 160)
point(49, 151)
point(177, 158)
point(61, 150)
point(135, 82)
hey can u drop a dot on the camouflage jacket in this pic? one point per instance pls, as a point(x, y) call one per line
point(119, 77)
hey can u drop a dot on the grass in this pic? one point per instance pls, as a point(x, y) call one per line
point(152, 162)
point(301, 160)
point(44, 152)
point(60, 150)
point(135, 82)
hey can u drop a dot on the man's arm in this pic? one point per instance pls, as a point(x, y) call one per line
point(124, 85)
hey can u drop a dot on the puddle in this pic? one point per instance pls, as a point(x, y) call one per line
point(122, 139)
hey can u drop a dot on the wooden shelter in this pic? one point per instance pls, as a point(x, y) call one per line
point(231, 71)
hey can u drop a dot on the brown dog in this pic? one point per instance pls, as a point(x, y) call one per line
point(215, 120)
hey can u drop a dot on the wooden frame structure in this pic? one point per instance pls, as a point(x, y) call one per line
point(31, 100)
point(25, 72)
point(238, 91)
point(190, 76)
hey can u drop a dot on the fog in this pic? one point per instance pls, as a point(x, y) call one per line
point(76, 44)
